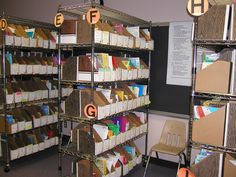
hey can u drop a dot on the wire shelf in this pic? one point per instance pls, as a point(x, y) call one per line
point(101, 46)
point(102, 82)
point(106, 13)
point(215, 95)
point(64, 117)
point(213, 148)
point(71, 149)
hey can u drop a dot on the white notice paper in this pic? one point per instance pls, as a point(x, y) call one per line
point(179, 54)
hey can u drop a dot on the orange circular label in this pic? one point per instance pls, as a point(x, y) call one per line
point(3, 24)
point(197, 7)
point(183, 172)
point(58, 19)
point(93, 16)
point(90, 111)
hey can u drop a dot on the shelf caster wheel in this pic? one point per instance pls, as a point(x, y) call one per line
point(6, 169)
point(144, 162)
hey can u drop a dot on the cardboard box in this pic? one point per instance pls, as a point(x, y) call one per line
point(13, 67)
point(11, 128)
point(13, 36)
point(9, 40)
point(25, 42)
point(83, 169)
point(68, 32)
point(51, 39)
point(35, 148)
point(210, 129)
point(20, 120)
point(43, 40)
point(144, 69)
point(144, 33)
point(113, 40)
point(84, 32)
point(35, 114)
point(229, 165)
point(209, 166)
point(84, 146)
point(214, 78)
point(79, 69)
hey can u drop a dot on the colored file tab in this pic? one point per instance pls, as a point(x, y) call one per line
point(202, 111)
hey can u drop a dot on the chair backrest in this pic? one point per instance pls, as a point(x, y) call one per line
point(174, 134)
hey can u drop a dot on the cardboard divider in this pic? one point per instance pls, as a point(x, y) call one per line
point(229, 165)
point(210, 129)
point(214, 78)
point(208, 166)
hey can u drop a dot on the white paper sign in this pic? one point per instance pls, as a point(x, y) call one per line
point(179, 54)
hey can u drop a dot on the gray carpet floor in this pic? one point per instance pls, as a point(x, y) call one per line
point(45, 164)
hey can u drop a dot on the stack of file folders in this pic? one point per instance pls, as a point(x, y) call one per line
point(107, 101)
point(117, 162)
point(30, 65)
point(24, 36)
point(29, 142)
point(29, 117)
point(78, 32)
point(109, 133)
point(106, 68)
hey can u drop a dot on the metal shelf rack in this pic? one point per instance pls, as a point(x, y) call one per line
point(215, 45)
point(113, 15)
point(4, 48)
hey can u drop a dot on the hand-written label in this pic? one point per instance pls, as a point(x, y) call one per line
point(3, 24)
point(58, 19)
point(90, 111)
point(197, 7)
point(93, 16)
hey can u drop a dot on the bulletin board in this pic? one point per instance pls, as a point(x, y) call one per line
point(165, 98)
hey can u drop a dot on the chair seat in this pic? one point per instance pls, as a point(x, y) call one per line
point(167, 149)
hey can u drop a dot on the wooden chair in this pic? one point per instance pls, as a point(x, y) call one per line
point(172, 141)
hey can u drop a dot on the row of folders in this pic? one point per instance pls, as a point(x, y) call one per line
point(216, 72)
point(16, 65)
point(107, 101)
point(106, 68)
point(25, 36)
point(29, 117)
point(109, 133)
point(115, 163)
point(32, 90)
point(214, 123)
point(79, 32)
point(218, 23)
point(26, 143)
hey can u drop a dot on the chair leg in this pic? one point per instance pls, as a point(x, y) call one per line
point(180, 160)
point(185, 159)
point(149, 156)
point(157, 155)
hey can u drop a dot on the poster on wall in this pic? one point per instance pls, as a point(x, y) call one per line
point(179, 65)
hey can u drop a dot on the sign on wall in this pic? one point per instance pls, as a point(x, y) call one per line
point(179, 54)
